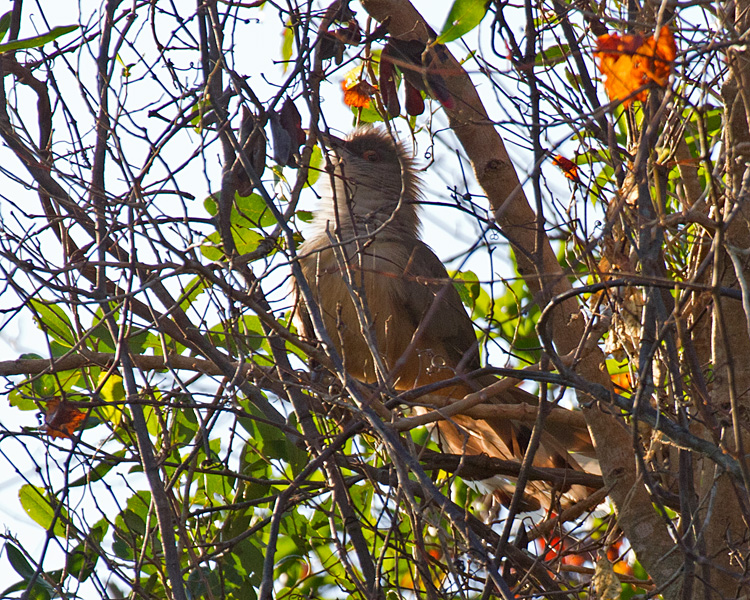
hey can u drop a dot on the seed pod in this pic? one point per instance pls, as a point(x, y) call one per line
point(350, 35)
point(438, 90)
point(387, 83)
point(253, 142)
point(292, 122)
point(414, 100)
point(422, 69)
point(435, 83)
point(282, 142)
point(328, 46)
point(408, 54)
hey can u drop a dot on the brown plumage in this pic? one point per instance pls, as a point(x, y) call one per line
point(364, 242)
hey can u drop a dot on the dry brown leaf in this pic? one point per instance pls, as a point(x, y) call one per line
point(568, 167)
point(61, 418)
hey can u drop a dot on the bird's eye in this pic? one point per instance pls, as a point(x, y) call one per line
point(371, 155)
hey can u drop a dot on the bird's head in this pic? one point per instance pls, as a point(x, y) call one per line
point(374, 180)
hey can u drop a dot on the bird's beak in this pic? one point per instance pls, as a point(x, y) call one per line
point(333, 147)
point(329, 140)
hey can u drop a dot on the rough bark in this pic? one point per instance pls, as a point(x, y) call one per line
point(722, 513)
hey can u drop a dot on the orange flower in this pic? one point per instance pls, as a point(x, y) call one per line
point(61, 418)
point(631, 62)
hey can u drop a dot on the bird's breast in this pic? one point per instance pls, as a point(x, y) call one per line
point(362, 291)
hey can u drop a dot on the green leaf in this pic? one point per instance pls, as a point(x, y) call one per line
point(112, 391)
point(112, 388)
point(366, 115)
point(19, 563)
point(5, 24)
point(41, 591)
point(132, 519)
point(195, 287)
point(473, 295)
point(98, 471)
point(185, 423)
point(121, 548)
point(251, 558)
point(137, 339)
point(125, 68)
point(331, 562)
point(240, 335)
point(202, 106)
point(152, 586)
point(203, 583)
point(39, 40)
point(464, 16)
point(467, 285)
point(16, 587)
point(21, 400)
point(99, 338)
point(152, 419)
point(287, 44)
point(575, 80)
point(252, 211)
point(211, 247)
point(267, 440)
point(552, 56)
point(515, 322)
point(305, 216)
point(239, 580)
point(211, 206)
point(154, 342)
point(247, 241)
point(217, 485)
point(80, 562)
point(40, 386)
point(40, 509)
point(53, 321)
point(315, 169)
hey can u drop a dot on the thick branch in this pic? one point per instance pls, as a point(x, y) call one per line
point(481, 466)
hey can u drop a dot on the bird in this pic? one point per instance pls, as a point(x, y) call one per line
point(392, 311)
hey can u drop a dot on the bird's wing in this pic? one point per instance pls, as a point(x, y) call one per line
point(435, 308)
